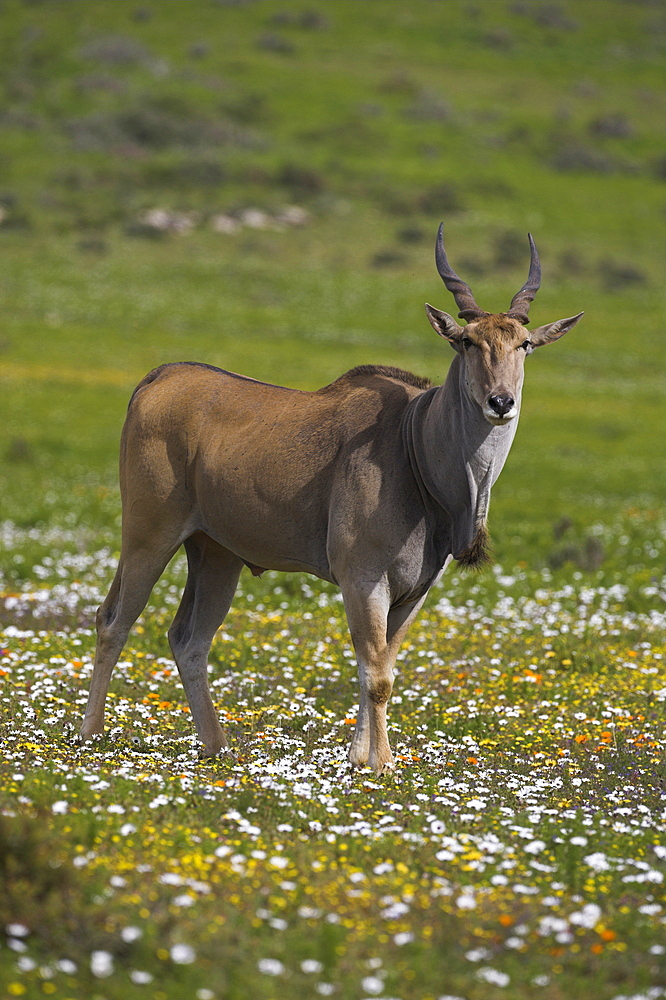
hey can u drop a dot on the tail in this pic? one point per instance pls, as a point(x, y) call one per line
point(479, 552)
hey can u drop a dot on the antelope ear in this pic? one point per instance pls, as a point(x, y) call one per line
point(553, 331)
point(443, 324)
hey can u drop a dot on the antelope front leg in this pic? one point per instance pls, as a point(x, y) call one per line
point(367, 613)
point(370, 742)
point(398, 621)
point(359, 750)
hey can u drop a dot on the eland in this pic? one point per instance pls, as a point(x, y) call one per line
point(374, 482)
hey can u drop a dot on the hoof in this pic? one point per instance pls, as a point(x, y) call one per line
point(382, 766)
point(357, 757)
point(209, 753)
point(86, 732)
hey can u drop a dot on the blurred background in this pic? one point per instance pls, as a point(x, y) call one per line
point(258, 185)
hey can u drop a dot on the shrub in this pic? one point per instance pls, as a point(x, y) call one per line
point(300, 181)
point(573, 155)
point(443, 198)
point(617, 275)
point(510, 248)
point(270, 42)
point(154, 126)
point(411, 234)
point(428, 107)
point(614, 126)
point(388, 258)
point(310, 20)
point(115, 50)
point(660, 168)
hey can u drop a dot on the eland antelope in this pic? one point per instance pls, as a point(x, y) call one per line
point(374, 482)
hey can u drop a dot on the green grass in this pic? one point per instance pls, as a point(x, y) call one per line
point(514, 847)
point(528, 715)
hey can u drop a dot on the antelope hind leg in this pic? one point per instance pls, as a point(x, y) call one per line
point(212, 579)
point(135, 577)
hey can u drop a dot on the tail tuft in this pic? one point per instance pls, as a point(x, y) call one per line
point(479, 552)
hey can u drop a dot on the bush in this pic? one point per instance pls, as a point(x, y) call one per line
point(302, 182)
point(428, 107)
point(441, 199)
point(270, 42)
point(616, 276)
point(573, 155)
point(116, 50)
point(614, 126)
point(511, 248)
point(154, 126)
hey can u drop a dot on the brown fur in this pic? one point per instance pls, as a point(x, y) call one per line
point(352, 482)
point(388, 372)
point(496, 328)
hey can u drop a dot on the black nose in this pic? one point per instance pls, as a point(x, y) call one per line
point(501, 404)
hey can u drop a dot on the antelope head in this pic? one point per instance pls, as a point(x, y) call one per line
point(493, 346)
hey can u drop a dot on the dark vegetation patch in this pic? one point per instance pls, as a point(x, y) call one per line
point(546, 15)
point(116, 50)
point(445, 197)
point(19, 449)
point(411, 234)
point(572, 155)
point(301, 181)
point(40, 887)
point(617, 276)
point(388, 258)
point(273, 42)
point(154, 125)
point(574, 546)
point(509, 248)
point(185, 173)
point(614, 126)
point(308, 20)
point(428, 107)
point(12, 215)
point(91, 83)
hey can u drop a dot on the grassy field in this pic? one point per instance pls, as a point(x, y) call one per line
point(258, 185)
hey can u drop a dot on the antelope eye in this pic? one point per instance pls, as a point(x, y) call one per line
point(526, 344)
point(467, 343)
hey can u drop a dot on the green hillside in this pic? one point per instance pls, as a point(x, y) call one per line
point(377, 120)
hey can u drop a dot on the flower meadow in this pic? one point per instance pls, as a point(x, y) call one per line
point(516, 850)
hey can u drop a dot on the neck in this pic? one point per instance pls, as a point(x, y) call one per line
point(457, 456)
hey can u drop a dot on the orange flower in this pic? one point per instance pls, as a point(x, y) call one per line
point(582, 738)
